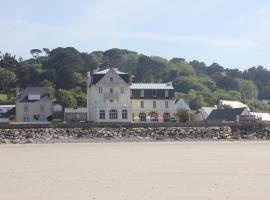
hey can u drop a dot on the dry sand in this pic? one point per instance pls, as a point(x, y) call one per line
point(137, 171)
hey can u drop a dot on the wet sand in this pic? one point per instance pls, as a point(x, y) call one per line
point(137, 171)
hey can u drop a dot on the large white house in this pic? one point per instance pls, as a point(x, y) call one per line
point(108, 96)
point(154, 102)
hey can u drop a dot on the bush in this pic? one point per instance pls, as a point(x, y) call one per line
point(36, 117)
point(12, 118)
point(49, 118)
point(184, 116)
point(172, 119)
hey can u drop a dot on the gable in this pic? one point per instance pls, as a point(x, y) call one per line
point(123, 78)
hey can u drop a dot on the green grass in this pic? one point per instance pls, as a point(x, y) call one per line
point(3, 97)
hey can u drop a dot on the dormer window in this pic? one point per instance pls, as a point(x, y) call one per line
point(111, 79)
point(33, 97)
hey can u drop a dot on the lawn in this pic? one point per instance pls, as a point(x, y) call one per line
point(3, 97)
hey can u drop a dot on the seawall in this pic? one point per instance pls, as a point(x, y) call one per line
point(129, 133)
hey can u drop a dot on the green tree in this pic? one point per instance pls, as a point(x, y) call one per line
point(66, 98)
point(35, 52)
point(7, 81)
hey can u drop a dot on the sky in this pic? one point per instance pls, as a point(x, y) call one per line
point(233, 33)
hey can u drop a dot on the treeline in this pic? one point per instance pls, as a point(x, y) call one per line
point(62, 71)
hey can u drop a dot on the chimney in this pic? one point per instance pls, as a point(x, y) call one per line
point(88, 79)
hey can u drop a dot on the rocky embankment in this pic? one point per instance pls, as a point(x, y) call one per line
point(52, 135)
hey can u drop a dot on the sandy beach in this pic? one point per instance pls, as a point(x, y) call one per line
point(133, 171)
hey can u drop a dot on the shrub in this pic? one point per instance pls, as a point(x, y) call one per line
point(36, 117)
point(49, 118)
point(184, 116)
point(12, 117)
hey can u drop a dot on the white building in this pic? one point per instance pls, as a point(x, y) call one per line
point(180, 104)
point(108, 96)
point(232, 104)
point(261, 116)
point(153, 102)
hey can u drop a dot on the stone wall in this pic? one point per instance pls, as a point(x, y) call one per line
point(98, 134)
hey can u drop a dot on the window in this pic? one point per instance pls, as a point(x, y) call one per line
point(111, 100)
point(154, 92)
point(166, 93)
point(153, 116)
point(154, 104)
point(111, 79)
point(124, 114)
point(166, 104)
point(142, 117)
point(42, 118)
point(42, 109)
point(122, 90)
point(102, 114)
point(111, 90)
point(26, 118)
point(1, 110)
point(113, 114)
point(100, 90)
point(26, 108)
point(142, 104)
point(141, 93)
point(166, 117)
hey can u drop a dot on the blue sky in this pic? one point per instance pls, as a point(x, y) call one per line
point(234, 33)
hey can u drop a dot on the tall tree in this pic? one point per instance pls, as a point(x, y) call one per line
point(7, 81)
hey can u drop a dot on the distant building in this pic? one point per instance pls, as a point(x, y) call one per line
point(261, 116)
point(152, 102)
point(232, 104)
point(7, 116)
point(108, 96)
point(75, 114)
point(228, 114)
point(5, 108)
point(180, 104)
point(204, 112)
point(33, 104)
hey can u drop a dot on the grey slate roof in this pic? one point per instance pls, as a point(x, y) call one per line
point(228, 114)
point(9, 113)
point(98, 75)
point(23, 96)
point(162, 86)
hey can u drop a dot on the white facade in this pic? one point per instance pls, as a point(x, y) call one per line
point(108, 99)
point(142, 109)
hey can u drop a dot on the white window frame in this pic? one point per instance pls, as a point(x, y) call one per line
point(142, 104)
point(100, 90)
point(166, 104)
point(154, 104)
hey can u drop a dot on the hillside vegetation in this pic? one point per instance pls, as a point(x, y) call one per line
point(62, 71)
